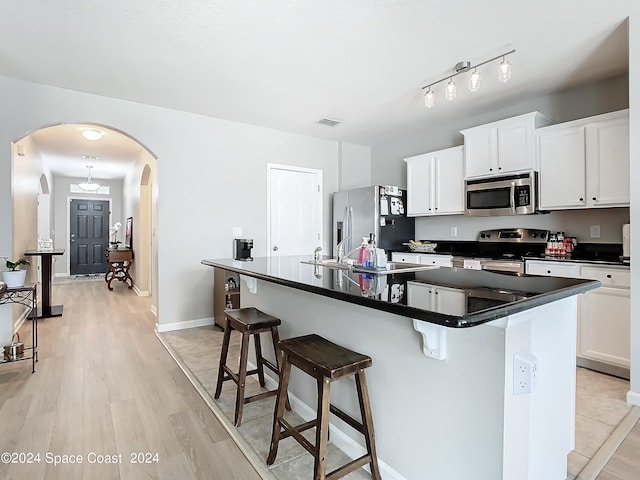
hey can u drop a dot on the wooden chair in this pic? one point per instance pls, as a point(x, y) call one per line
point(247, 321)
point(326, 362)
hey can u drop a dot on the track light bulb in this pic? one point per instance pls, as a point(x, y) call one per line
point(450, 91)
point(474, 81)
point(429, 98)
point(504, 71)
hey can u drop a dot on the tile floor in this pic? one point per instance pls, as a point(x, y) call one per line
point(600, 407)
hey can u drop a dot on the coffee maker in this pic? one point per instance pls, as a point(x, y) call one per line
point(242, 249)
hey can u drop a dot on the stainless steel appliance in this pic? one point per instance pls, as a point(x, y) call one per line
point(502, 195)
point(242, 249)
point(626, 242)
point(377, 210)
point(503, 250)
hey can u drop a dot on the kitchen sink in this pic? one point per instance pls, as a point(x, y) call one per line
point(392, 267)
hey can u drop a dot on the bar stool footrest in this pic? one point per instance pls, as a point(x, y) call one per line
point(352, 422)
point(260, 396)
point(347, 468)
point(296, 432)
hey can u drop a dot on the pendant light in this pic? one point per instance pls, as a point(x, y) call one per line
point(504, 71)
point(450, 91)
point(89, 186)
point(461, 68)
point(474, 80)
point(429, 99)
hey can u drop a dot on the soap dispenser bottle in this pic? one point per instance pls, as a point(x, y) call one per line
point(363, 252)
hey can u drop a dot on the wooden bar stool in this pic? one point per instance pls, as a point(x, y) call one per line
point(326, 362)
point(247, 321)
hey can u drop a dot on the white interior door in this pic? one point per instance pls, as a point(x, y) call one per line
point(295, 210)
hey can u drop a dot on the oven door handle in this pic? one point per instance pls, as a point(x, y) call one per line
point(512, 197)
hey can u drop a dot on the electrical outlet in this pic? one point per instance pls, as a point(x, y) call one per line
point(594, 231)
point(237, 232)
point(525, 373)
point(454, 231)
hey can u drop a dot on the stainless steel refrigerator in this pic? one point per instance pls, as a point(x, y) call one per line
point(379, 210)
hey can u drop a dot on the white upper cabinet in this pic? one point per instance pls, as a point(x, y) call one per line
point(435, 183)
point(585, 163)
point(501, 147)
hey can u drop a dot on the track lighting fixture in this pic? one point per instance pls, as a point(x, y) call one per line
point(504, 75)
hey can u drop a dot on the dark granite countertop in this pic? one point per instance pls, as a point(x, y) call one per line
point(478, 296)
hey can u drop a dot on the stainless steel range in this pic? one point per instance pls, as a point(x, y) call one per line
point(503, 250)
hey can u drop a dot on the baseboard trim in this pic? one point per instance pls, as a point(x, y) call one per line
point(140, 293)
point(633, 398)
point(154, 311)
point(168, 327)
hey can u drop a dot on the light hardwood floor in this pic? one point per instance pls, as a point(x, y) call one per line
point(104, 384)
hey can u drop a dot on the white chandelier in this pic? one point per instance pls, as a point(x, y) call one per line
point(89, 186)
point(504, 75)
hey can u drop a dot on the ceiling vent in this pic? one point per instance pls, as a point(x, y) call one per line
point(329, 122)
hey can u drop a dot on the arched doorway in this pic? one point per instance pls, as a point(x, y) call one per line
point(57, 155)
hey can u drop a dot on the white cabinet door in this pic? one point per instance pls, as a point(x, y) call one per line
point(515, 148)
point(450, 301)
point(448, 185)
point(435, 183)
point(607, 160)
point(420, 295)
point(562, 167)
point(505, 146)
point(445, 300)
point(419, 185)
point(480, 152)
point(604, 325)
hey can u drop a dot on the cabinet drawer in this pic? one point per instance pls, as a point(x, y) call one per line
point(553, 269)
point(439, 260)
point(610, 277)
point(405, 257)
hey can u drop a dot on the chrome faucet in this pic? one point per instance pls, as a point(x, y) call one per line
point(316, 254)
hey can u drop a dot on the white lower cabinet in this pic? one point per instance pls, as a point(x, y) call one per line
point(423, 259)
point(604, 314)
point(450, 301)
point(603, 331)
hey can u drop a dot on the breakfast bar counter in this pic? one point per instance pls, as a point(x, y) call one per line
point(448, 399)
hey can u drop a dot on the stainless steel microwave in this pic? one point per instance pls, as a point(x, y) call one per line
point(502, 195)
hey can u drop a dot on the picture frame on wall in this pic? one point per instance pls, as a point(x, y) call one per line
point(128, 233)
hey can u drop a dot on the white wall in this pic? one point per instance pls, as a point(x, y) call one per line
point(211, 177)
point(634, 118)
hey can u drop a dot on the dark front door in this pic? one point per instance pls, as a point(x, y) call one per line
point(89, 229)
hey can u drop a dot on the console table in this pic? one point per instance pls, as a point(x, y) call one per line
point(119, 261)
point(46, 310)
point(27, 296)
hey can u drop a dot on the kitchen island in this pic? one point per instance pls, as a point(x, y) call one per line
point(444, 342)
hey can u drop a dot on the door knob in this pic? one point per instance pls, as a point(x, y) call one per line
point(275, 249)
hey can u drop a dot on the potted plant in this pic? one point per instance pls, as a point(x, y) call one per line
point(14, 277)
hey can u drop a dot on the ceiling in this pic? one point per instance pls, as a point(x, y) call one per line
point(285, 64)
